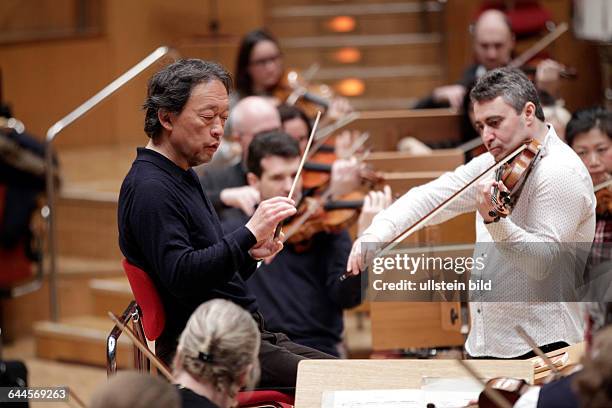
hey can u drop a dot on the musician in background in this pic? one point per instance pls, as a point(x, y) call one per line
point(493, 42)
point(299, 291)
point(216, 355)
point(589, 133)
point(227, 186)
point(260, 71)
point(556, 205)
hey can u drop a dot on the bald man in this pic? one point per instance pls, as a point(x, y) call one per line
point(493, 42)
point(227, 187)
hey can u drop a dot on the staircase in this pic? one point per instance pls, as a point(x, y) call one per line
point(91, 281)
point(378, 54)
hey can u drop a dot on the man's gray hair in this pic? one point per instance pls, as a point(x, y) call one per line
point(512, 85)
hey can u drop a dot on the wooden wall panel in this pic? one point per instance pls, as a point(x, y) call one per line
point(45, 80)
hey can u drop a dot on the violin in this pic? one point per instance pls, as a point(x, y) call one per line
point(513, 175)
point(510, 389)
point(319, 214)
point(603, 194)
point(295, 89)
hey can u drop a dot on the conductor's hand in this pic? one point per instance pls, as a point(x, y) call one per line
point(267, 249)
point(244, 198)
point(361, 254)
point(267, 216)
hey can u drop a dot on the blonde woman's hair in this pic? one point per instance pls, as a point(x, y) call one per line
point(217, 346)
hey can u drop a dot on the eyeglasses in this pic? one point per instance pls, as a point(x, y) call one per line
point(262, 62)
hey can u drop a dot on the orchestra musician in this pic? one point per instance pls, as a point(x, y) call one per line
point(298, 291)
point(169, 228)
point(260, 71)
point(556, 205)
point(227, 186)
point(493, 42)
point(216, 355)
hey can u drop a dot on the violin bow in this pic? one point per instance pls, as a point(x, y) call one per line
point(144, 349)
point(324, 134)
point(300, 90)
point(537, 350)
point(602, 185)
point(420, 223)
point(74, 397)
point(495, 396)
point(538, 46)
point(299, 171)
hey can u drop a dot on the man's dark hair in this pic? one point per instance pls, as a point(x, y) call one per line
point(512, 85)
point(171, 87)
point(288, 112)
point(244, 83)
point(274, 143)
point(582, 121)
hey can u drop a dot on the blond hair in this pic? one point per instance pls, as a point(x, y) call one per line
point(219, 343)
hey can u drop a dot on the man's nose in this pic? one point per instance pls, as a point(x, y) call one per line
point(216, 130)
point(487, 135)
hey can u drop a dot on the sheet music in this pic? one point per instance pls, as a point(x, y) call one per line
point(442, 392)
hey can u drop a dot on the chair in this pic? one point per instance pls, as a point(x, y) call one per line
point(148, 320)
point(147, 316)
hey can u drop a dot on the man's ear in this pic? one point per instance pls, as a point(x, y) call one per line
point(529, 110)
point(165, 118)
point(252, 180)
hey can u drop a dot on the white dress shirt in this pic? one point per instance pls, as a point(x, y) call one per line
point(556, 204)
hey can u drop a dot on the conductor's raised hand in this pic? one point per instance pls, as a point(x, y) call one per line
point(268, 215)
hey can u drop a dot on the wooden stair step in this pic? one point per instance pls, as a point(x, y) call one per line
point(333, 41)
point(74, 275)
point(368, 56)
point(390, 18)
point(272, 4)
point(113, 294)
point(79, 340)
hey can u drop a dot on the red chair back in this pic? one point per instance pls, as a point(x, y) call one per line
point(15, 267)
point(145, 293)
point(267, 398)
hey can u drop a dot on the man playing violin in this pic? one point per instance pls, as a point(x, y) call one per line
point(493, 41)
point(556, 205)
point(169, 228)
point(298, 291)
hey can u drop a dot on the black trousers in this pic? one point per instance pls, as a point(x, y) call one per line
point(545, 349)
point(278, 357)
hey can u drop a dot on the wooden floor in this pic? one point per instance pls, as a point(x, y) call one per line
point(80, 378)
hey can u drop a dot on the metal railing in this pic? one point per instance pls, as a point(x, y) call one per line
point(52, 134)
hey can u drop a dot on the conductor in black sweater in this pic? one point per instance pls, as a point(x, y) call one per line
point(169, 228)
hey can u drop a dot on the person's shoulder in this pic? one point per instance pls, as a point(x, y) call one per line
point(190, 399)
point(147, 181)
point(563, 164)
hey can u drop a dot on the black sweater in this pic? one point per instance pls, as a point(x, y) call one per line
point(168, 227)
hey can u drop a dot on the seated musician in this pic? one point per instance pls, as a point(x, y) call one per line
point(299, 291)
point(259, 71)
point(493, 42)
point(216, 355)
point(589, 133)
point(169, 228)
point(227, 186)
point(556, 205)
